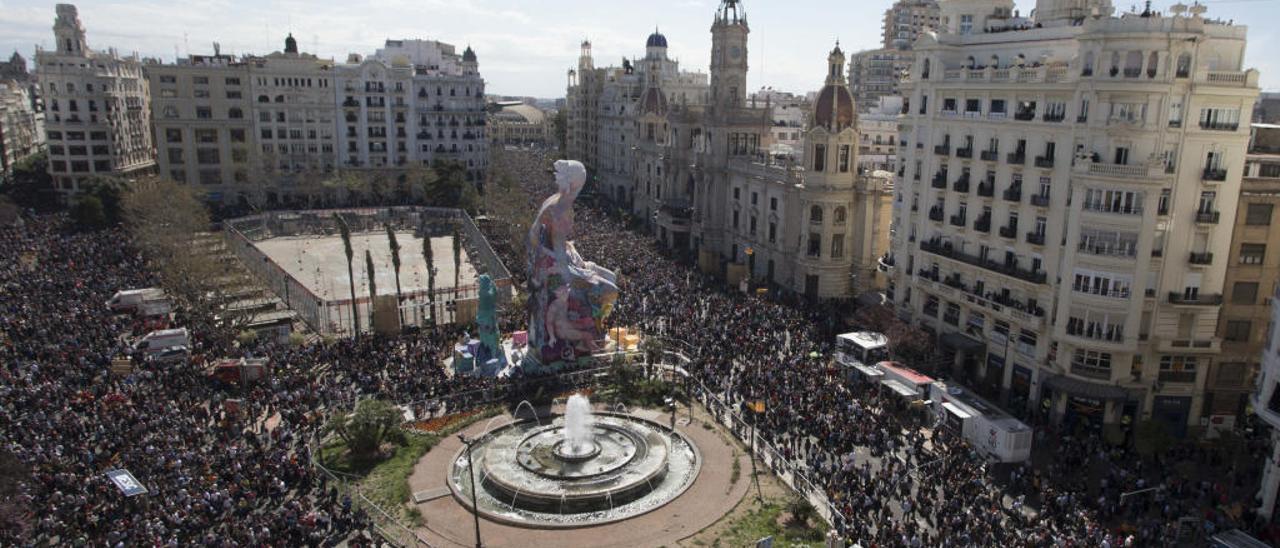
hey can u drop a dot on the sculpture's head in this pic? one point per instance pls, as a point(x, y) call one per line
point(570, 176)
point(486, 285)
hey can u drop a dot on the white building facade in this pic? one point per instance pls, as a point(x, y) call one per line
point(98, 119)
point(1057, 215)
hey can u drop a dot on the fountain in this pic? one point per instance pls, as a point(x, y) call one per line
point(582, 468)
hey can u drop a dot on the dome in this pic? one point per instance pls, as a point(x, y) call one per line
point(656, 40)
point(469, 55)
point(834, 108)
point(653, 101)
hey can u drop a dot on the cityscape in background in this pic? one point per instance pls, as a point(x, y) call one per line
point(1029, 240)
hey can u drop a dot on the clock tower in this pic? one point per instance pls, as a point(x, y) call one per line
point(729, 54)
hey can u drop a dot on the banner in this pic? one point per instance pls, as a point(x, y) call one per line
point(126, 482)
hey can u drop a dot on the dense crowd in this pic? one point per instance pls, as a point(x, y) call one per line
point(892, 477)
point(244, 478)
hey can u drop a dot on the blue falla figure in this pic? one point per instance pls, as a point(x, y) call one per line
point(489, 358)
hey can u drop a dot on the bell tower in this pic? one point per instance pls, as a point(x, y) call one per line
point(68, 31)
point(729, 54)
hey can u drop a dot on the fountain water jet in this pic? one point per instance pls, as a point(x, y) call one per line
point(578, 425)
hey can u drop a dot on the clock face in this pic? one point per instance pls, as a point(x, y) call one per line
point(735, 52)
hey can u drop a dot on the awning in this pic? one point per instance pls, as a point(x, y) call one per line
point(868, 371)
point(901, 389)
point(962, 342)
point(956, 411)
point(1078, 387)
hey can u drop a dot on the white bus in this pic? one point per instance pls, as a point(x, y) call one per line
point(859, 353)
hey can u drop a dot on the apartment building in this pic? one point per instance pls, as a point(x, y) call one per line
point(1251, 278)
point(21, 133)
point(877, 73)
point(271, 129)
point(98, 117)
point(1057, 217)
point(878, 135)
point(906, 20)
point(1266, 403)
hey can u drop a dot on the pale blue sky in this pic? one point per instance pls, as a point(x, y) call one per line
point(525, 47)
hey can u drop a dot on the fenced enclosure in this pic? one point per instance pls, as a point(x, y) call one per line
point(299, 255)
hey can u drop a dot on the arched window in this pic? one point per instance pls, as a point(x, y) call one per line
point(970, 62)
point(840, 215)
point(995, 61)
point(1132, 64)
point(264, 99)
point(924, 71)
point(1087, 70)
point(1153, 63)
point(235, 113)
point(1184, 65)
point(1021, 60)
point(1115, 63)
point(815, 214)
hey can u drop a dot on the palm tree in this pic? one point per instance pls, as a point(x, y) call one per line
point(457, 260)
point(431, 275)
point(351, 274)
point(373, 287)
point(395, 264)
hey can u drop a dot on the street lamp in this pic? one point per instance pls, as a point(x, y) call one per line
point(471, 469)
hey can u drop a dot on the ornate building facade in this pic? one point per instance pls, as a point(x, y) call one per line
point(694, 164)
point(98, 118)
point(1058, 216)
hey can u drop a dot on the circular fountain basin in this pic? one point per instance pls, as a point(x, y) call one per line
point(529, 475)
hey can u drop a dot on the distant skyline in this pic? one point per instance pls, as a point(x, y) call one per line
point(525, 48)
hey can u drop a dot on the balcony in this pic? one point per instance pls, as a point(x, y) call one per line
point(1203, 258)
point(1112, 293)
point(1016, 158)
point(1091, 372)
point(1095, 331)
point(943, 250)
point(1056, 117)
point(1045, 162)
point(1219, 126)
point(964, 152)
point(1035, 238)
point(961, 184)
point(1040, 200)
point(1013, 194)
point(983, 224)
point(944, 150)
point(939, 181)
point(989, 156)
point(987, 189)
point(1207, 217)
point(1025, 115)
point(1215, 175)
point(1010, 232)
point(935, 213)
point(1194, 300)
point(957, 220)
point(1186, 377)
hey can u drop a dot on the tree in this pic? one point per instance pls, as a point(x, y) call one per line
point(429, 257)
point(373, 286)
point(421, 181)
point(110, 191)
point(561, 122)
point(345, 231)
point(29, 183)
point(907, 343)
point(457, 259)
point(366, 428)
point(87, 213)
point(395, 265)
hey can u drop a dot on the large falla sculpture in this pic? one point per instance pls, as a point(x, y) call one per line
point(569, 298)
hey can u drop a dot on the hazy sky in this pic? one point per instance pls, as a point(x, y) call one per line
point(525, 47)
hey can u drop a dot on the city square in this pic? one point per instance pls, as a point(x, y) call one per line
point(443, 296)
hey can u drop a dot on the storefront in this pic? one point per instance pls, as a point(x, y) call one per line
point(1019, 390)
point(1173, 411)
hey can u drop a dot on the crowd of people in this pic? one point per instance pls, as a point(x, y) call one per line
point(891, 476)
point(240, 476)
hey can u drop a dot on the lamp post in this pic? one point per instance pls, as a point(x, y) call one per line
point(471, 469)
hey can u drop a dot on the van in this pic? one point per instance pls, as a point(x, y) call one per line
point(156, 341)
point(129, 299)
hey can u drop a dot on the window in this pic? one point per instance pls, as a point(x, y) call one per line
point(966, 24)
point(200, 80)
point(755, 198)
point(1258, 215)
point(170, 111)
point(773, 232)
point(1244, 293)
point(773, 204)
point(837, 246)
point(237, 135)
point(1252, 253)
point(232, 81)
point(178, 175)
point(1178, 368)
point(200, 93)
point(235, 113)
point(998, 108)
point(1237, 330)
point(840, 215)
point(815, 244)
point(206, 135)
point(239, 155)
point(844, 158)
point(1088, 363)
point(175, 156)
point(1224, 119)
point(173, 135)
point(819, 158)
point(204, 113)
point(207, 155)
point(164, 79)
point(815, 214)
